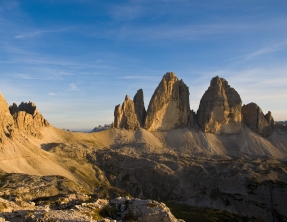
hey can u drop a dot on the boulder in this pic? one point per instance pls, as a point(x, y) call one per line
point(27, 118)
point(139, 107)
point(255, 119)
point(169, 105)
point(219, 111)
point(125, 116)
point(6, 121)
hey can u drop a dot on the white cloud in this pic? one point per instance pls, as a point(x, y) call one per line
point(38, 32)
point(73, 86)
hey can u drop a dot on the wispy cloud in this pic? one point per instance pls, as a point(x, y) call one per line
point(138, 77)
point(262, 51)
point(73, 86)
point(39, 32)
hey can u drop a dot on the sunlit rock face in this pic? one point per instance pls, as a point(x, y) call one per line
point(6, 121)
point(219, 111)
point(256, 121)
point(125, 116)
point(27, 118)
point(169, 105)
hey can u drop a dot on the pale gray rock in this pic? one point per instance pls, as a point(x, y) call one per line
point(139, 107)
point(255, 119)
point(219, 111)
point(169, 105)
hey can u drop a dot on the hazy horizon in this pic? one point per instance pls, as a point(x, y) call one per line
point(77, 60)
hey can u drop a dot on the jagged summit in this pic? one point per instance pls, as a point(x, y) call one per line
point(220, 108)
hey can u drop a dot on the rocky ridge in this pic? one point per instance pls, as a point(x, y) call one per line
point(27, 118)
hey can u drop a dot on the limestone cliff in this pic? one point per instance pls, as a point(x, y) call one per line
point(125, 116)
point(6, 121)
point(270, 119)
point(169, 105)
point(139, 107)
point(255, 119)
point(27, 118)
point(219, 111)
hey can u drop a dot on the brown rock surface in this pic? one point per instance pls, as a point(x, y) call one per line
point(169, 105)
point(125, 116)
point(255, 119)
point(6, 121)
point(139, 107)
point(270, 119)
point(27, 118)
point(219, 111)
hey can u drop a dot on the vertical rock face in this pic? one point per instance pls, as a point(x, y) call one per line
point(270, 119)
point(6, 121)
point(139, 107)
point(169, 105)
point(27, 118)
point(192, 122)
point(220, 109)
point(256, 121)
point(125, 116)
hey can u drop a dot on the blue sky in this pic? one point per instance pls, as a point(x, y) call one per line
point(77, 59)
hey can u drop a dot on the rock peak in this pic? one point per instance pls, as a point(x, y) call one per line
point(169, 105)
point(170, 75)
point(127, 98)
point(220, 108)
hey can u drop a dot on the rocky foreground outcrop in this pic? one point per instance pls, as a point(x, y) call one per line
point(6, 121)
point(254, 118)
point(220, 109)
point(169, 105)
point(27, 118)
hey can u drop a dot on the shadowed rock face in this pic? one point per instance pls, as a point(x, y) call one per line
point(139, 107)
point(169, 105)
point(6, 121)
point(270, 119)
point(220, 109)
point(255, 119)
point(27, 118)
point(125, 116)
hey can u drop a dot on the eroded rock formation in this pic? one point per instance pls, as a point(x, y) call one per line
point(125, 116)
point(220, 109)
point(27, 118)
point(270, 119)
point(169, 105)
point(256, 121)
point(139, 107)
point(6, 121)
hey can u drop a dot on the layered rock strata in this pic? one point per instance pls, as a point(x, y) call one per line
point(27, 118)
point(219, 111)
point(169, 105)
point(254, 118)
point(125, 116)
point(6, 121)
point(139, 107)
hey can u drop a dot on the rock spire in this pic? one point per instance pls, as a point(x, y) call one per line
point(256, 121)
point(169, 105)
point(125, 116)
point(139, 107)
point(220, 108)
